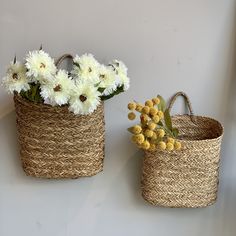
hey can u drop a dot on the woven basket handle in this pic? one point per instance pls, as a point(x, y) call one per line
point(62, 58)
point(187, 101)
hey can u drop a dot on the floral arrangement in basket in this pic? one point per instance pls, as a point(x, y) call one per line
point(155, 129)
point(39, 80)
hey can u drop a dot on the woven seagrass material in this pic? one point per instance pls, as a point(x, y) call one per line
point(55, 143)
point(62, 58)
point(189, 177)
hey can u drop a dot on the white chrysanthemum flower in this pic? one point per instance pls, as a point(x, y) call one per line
point(121, 71)
point(85, 98)
point(58, 90)
point(86, 67)
point(15, 79)
point(40, 66)
point(108, 80)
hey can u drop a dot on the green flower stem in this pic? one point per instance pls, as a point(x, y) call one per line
point(166, 130)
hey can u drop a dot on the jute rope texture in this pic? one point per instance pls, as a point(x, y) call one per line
point(186, 178)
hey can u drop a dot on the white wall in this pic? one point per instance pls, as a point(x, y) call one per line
point(168, 46)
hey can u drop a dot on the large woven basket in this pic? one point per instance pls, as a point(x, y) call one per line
point(55, 143)
point(189, 177)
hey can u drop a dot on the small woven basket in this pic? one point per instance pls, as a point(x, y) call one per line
point(189, 177)
point(55, 143)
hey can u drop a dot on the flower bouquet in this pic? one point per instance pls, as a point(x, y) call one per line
point(155, 130)
point(60, 114)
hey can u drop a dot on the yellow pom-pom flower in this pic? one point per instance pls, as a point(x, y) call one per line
point(137, 129)
point(152, 126)
point(145, 110)
point(144, 118)
point(152, 147)
point(131, 116)
point(160, 114)
point(149, 103)
point(132, 106)
point(170, 140)
point(145, 145)
point(148, 133)
point(178, 145)
point(154, 136)
point(156, 119)
point(156, 101)
point(138, 138)
point(162, 145)
point(160, 133)
point(139, 107)
point(153, 111)
point(169, 146)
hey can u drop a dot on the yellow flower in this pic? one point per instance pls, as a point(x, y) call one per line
point(154, 136)
point(149, 103)
point(132, 106)
point(178, 145)
point(153, 111)
point(145, 110)
point(148, 133)
point(138, 138)
point(152, 126)
point(144, 125)
point(162, 145)
point(169, 146)
point(156, 101)
point(160, 114)
point(139, 107)
point(171, 140)
point(152, 147)
point(145, 145)
point(160, 133)
point(156, 119)
point(136, 129)
point(131, 116)
point(144, 118)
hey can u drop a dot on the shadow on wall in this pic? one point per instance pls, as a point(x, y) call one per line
point(9, 143)
point(229, 149)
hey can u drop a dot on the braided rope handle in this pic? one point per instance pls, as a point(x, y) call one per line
point(187, 101)
point(62, 58)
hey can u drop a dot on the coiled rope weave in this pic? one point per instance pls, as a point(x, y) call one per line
point(189, 177)
point(55, 143)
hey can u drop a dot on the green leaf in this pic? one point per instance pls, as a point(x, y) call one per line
point(33, 92)
point(130, 129)
point(101, 90)
point(167, 119)
point(77, 64)
point(118, 91)
point(162, 104)
point(97, 84)
point(175, 132)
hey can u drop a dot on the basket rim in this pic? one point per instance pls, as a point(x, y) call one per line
point(38, 105)
point(202, 140)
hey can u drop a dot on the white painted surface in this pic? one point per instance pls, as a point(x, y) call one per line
point(168, 46)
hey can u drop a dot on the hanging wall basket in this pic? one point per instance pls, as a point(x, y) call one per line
point(55, 143)
point(189, 177)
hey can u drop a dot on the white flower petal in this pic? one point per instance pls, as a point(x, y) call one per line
point(58, 90)
point(108, 80)
point(15, 79)
point(85, 99)
point(40, 66)
point(121, 71)
point(86, 68)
